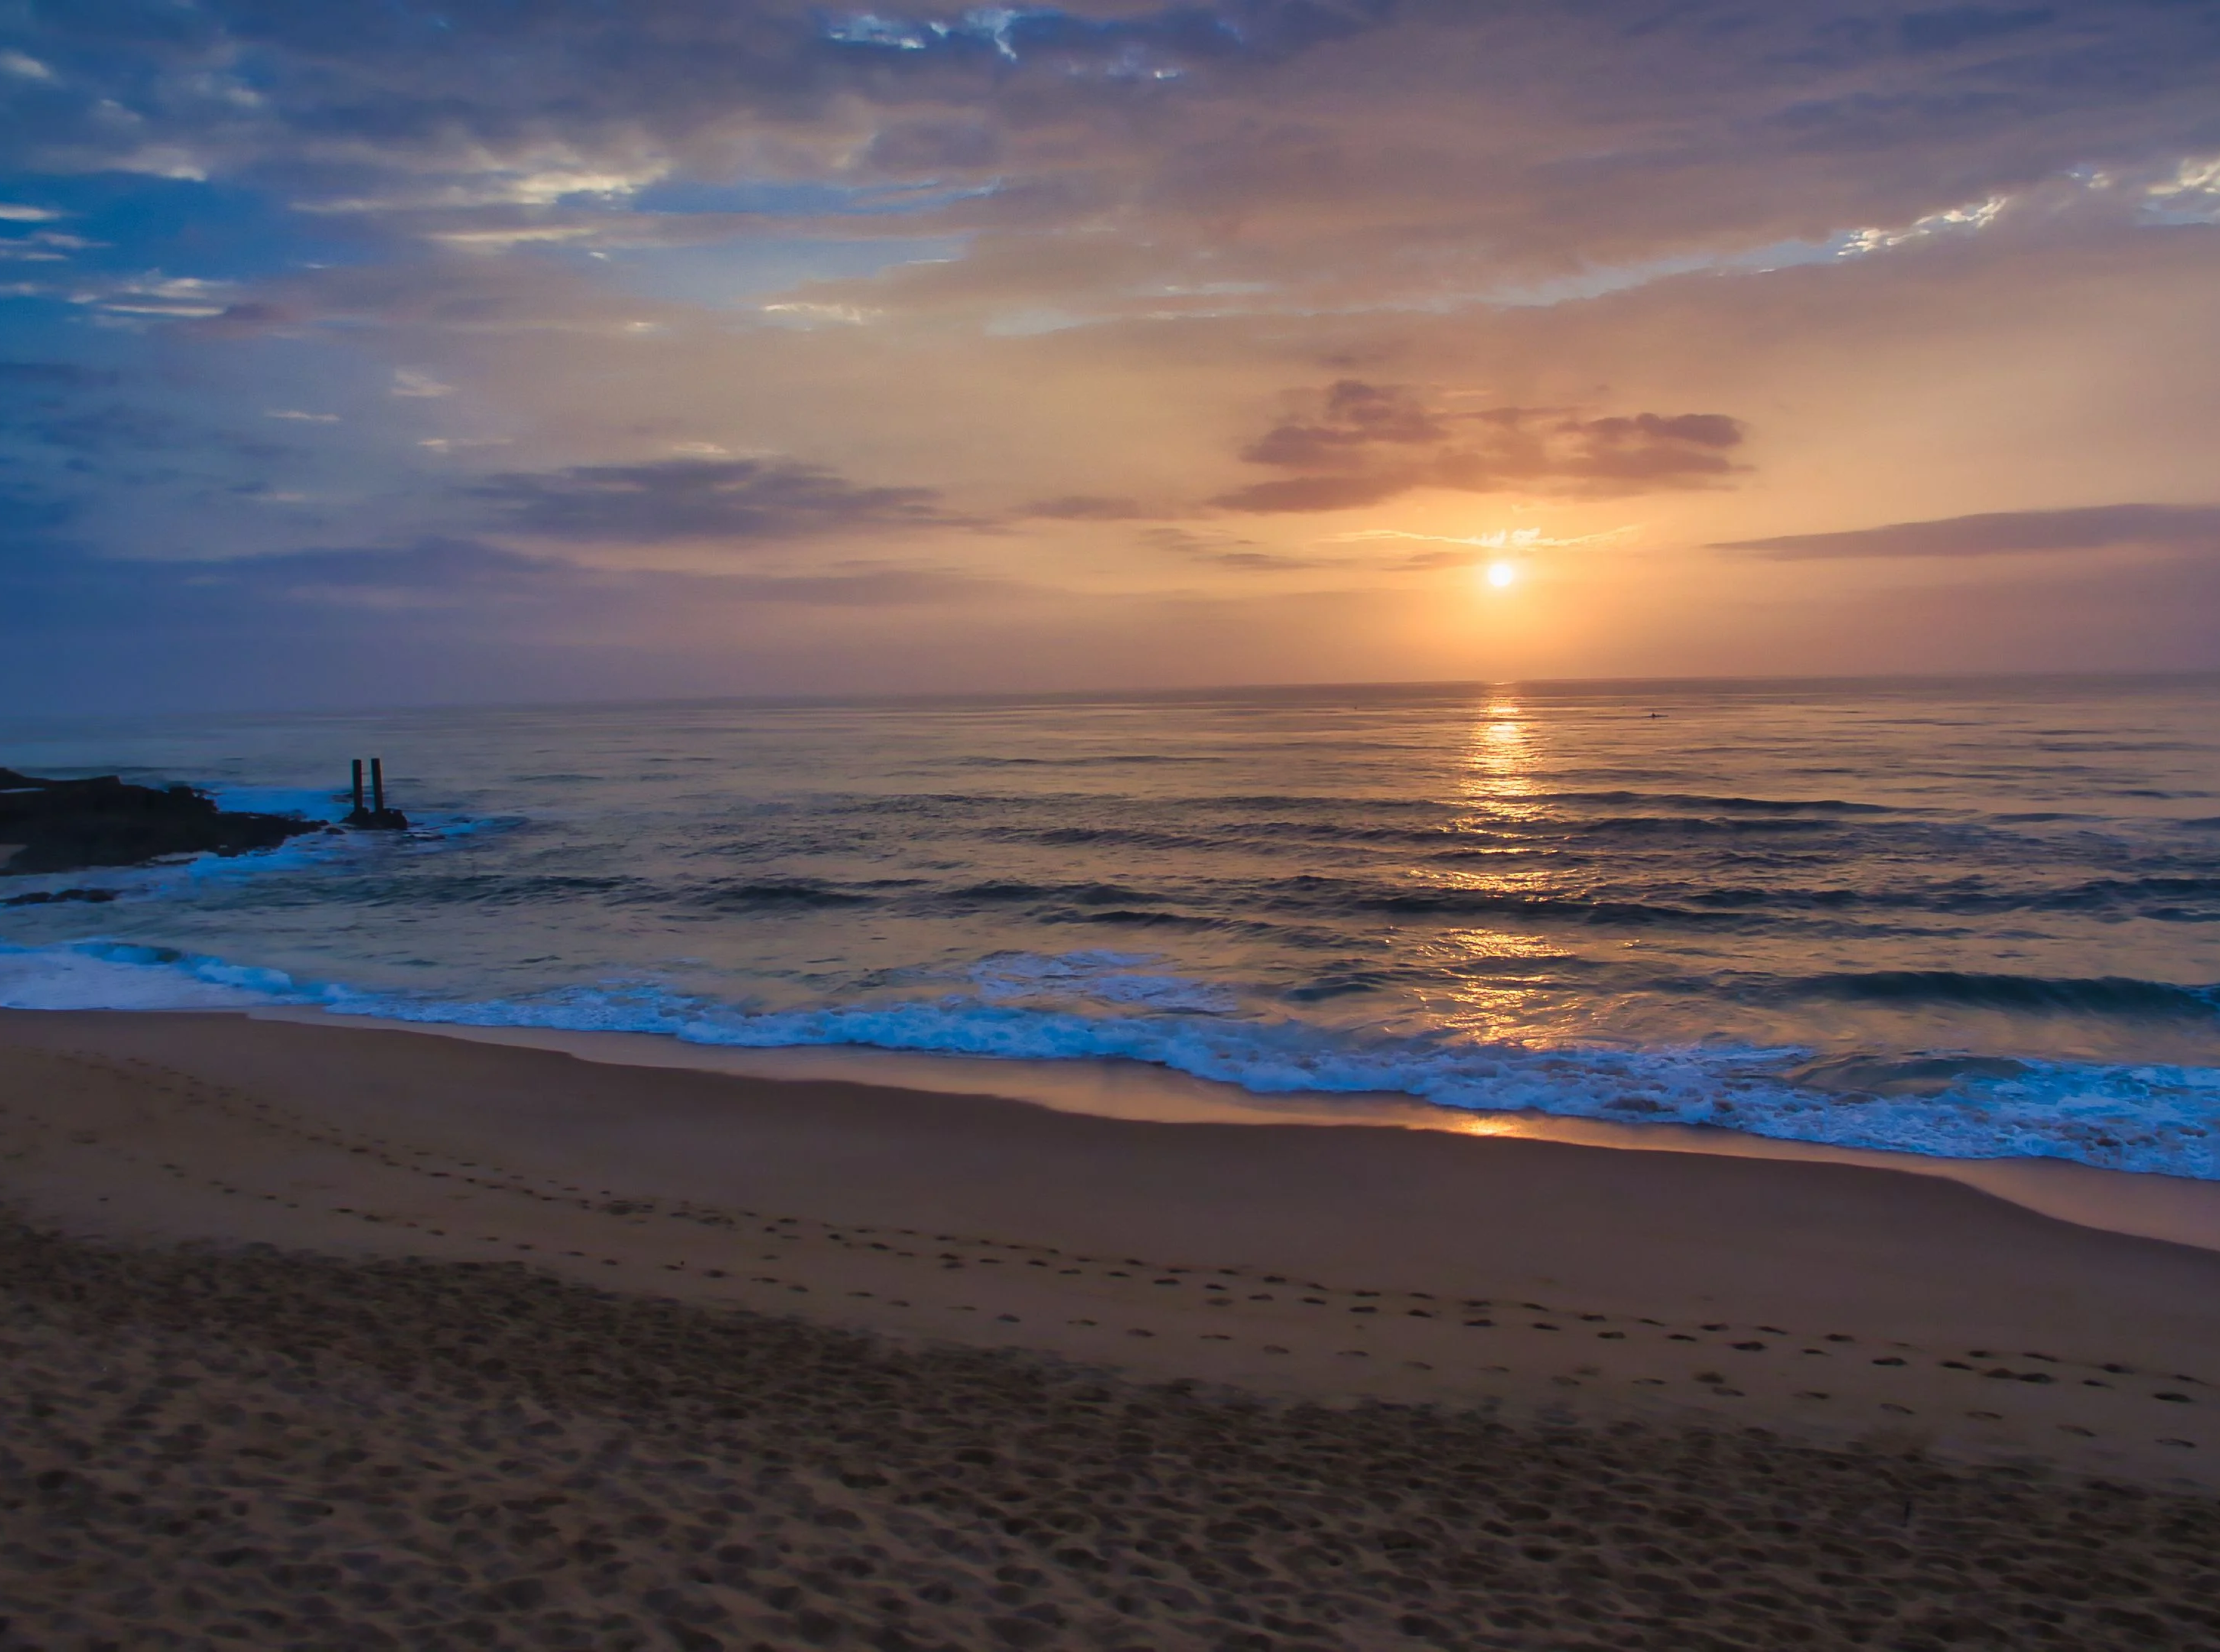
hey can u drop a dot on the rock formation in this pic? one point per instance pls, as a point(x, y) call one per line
point(66, 825)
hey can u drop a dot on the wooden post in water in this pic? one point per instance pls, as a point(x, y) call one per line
point(375, 817)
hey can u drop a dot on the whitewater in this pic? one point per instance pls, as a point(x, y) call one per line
point(1968, 919)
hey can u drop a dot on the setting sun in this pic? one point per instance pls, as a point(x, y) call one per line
point(1501, 574)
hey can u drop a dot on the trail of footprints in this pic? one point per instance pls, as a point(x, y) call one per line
point(2187, 1401)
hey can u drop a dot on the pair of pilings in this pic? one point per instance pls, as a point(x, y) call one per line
point(376, 785)
point(376, 816)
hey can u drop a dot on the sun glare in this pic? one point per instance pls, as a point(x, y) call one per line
point(1501, 574)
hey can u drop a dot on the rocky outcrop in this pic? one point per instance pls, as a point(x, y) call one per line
point(67, 826)
point(58, 897)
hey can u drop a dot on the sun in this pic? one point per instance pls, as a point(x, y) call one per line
point(1501, 575)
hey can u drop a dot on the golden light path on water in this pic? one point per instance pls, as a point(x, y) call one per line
point(1498, 785)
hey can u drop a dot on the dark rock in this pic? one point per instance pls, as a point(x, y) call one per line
point(43, 898)
point(66, 825)
point(377, 820)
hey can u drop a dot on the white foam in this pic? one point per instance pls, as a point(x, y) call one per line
point(2151, 1117)
point(64, 978)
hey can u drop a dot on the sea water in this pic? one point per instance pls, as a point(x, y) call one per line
point(1974, 920)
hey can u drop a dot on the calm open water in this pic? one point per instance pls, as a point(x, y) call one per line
point(1972, 919)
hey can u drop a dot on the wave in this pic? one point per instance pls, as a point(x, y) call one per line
point(2116, 995)
point(1694, 826)
point(1109, 1006)
point(443, 889)
point(1693, 801)
point(1471, 903)
point(1356, 806)
point(114, 976)
point(774, 894)
point(1121, 760)
point(2187, 897)
point(1117, 836)
point(1081, 894)
point(2166, 899)
point(1099, 977)
point(2160, 895)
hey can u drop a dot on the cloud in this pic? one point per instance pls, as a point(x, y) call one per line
point(1088, 507)
point(701, 498)
point(1946, 28)
point(437, 620)
point(55, 374)
point(1077, 252)
point(1225, 551)
point(254, 318)
point(2004, 532)
point(1260, 562)
point(472, 583)
point(27, 514)
point(1318, 493)
point(1357, 444)
point(113, 429)
point(154, 297)
point(1508, 144)
point(43, 246)
point(415, 382)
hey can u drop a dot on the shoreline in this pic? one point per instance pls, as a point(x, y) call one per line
point(1523, 1279)
point(2179, 1210)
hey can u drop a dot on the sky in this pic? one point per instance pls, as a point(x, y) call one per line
point(516, 350)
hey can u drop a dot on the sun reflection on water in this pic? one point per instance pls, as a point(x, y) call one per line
point(1500, 761)
point(1487, 969)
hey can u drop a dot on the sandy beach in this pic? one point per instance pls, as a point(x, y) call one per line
point(339, 1336)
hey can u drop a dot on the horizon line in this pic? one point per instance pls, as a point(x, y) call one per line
point(1130, 693)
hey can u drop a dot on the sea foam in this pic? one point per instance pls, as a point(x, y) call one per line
point(2151, 1117)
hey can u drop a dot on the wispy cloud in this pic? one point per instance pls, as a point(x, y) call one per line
point(1090, 507)
point(55, 374)
point(416, 383)
point(701, 499)
point(2008, 532)
point(1497, 539)
point(465, 578)
point(1357, 444)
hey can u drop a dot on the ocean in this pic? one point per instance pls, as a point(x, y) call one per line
point(1975, 919)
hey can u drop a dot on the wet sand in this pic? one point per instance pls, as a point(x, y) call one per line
point(468, 1345)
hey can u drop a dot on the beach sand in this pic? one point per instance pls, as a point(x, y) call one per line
point(327, 1336)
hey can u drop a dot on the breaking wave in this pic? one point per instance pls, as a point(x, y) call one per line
point(1097, 1006)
